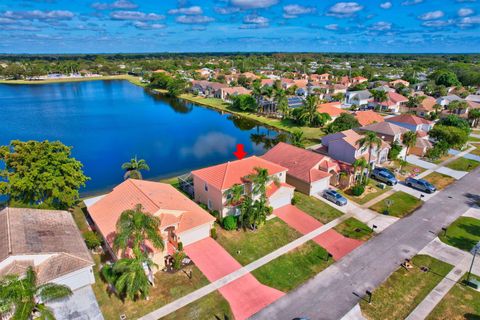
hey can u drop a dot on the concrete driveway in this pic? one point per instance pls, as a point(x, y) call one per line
point(332, 241)
point(245, 295)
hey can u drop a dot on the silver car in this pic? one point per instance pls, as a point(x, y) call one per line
point(420, 184)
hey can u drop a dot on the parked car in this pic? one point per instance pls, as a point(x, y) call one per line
point(384, 175)
point(335, 197)
point(420, 184)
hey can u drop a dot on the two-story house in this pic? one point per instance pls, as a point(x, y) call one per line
point(344, 146)
point(411, 122)
point(212, 184)
point(358, 98)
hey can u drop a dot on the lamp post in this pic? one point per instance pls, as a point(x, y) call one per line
point(475, 250)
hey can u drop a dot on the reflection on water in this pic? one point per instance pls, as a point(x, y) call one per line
point(108, 122)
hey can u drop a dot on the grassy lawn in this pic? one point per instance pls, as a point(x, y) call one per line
point(371, 192)
point(248, 246)
point(403, 204)
point(439, 180)
point(474, 139)
point(407, 170)
point(463, 233)
point(294, 268)
point(463, 164)
point(439, 160)
point(461, 302)
point(352, 228)
point(477, 150)
point(311, 134)
point(316, 208)
point(132, 79)
point(212, 306)
point(404, 290)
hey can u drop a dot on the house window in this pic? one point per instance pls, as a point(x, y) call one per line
point(206, 187)
point(209, 204)
point(280, 174)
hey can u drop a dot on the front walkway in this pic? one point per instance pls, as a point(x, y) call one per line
point(332, 241)
point(245, 295)
point(466, 156)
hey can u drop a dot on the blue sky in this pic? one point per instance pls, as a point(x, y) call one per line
point(105, 26)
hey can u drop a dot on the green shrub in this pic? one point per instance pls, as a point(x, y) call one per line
point(180, 246)
point(294, 200)
point(213, 233)
point(92, 239)
point(230, 223)
point(358, 190)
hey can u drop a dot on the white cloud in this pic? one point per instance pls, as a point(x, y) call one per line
point(331, 27)
point(438, 23)
point(188, 11)
point(381, 26)
point(386, 5)
point(194, 19)
point(411, 2)
point(146, 26)
point(468, 21)
point(344, 9)
point(119, 4)
point(463, 12)
point(39, 15)
point(252, 18)
point(432, 15)
point(226, 10)
point(135, 15)
point(253, 4)
point(294, 10)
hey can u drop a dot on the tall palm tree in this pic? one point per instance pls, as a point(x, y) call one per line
point(370, 140)
point(25, 297)
point(409, 139)
point(297, 139)
point(309, 110)
point(134, 167)
point(134, 228)
point(415, 101)
point(235, 194)
point(379, 96)
point(282, 102)
point(362, 164)
point(132, 280)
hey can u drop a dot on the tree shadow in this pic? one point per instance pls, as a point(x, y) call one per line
point(471, 316)
point(472, 229)
point(473, 199)
point(462, 243)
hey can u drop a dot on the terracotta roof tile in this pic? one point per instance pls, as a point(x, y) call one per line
point(368, 117)
point(331, 108)
point(410, 119)
point(225, 175)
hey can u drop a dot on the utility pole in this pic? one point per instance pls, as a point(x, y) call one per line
point(475, 250)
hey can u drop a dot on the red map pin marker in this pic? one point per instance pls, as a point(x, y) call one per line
point(240, 152)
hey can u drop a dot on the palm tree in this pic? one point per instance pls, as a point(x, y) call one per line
point(234, 195)
point(415, 101)
point(257, 91)
point(282, 102)
point(297, 139)
point(134, 167)
point(474, 115)
point(25, 298)
point(370, 140)
point(379, 96)
point(309, 110)
point(134, 228)
point(362, 164)
point(132, 280)
point(409, 139)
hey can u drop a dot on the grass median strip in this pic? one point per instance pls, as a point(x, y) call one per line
point(463, 164)
point(355, 229)
point(211, 306)
point(401, 204)
point(294, 268)
point(405, 289)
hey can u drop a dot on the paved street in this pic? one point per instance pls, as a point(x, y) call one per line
point(335, 291)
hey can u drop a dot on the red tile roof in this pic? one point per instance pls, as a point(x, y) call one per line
point(302, 164)
point(396, 97)
point(410, 119)
point(368, 117)
point(159, 199)
point(225, 175)
point(272, 188)
point(331, 108)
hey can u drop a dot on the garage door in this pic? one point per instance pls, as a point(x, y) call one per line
point(320, 186)
point(194, 235)
point(281, 198)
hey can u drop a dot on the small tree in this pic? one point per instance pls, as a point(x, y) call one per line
point(92, 240)
point(230, 223)
point(297, 139)
point(409, 139)
point(134, 167)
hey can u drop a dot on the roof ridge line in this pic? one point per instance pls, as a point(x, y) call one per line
point(225, 174)
point(141, 191)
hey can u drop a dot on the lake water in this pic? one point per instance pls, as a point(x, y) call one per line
point(109, 122)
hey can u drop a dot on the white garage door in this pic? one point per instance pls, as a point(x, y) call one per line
point(319, 186)
point(195, 235)
point(281, 198)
